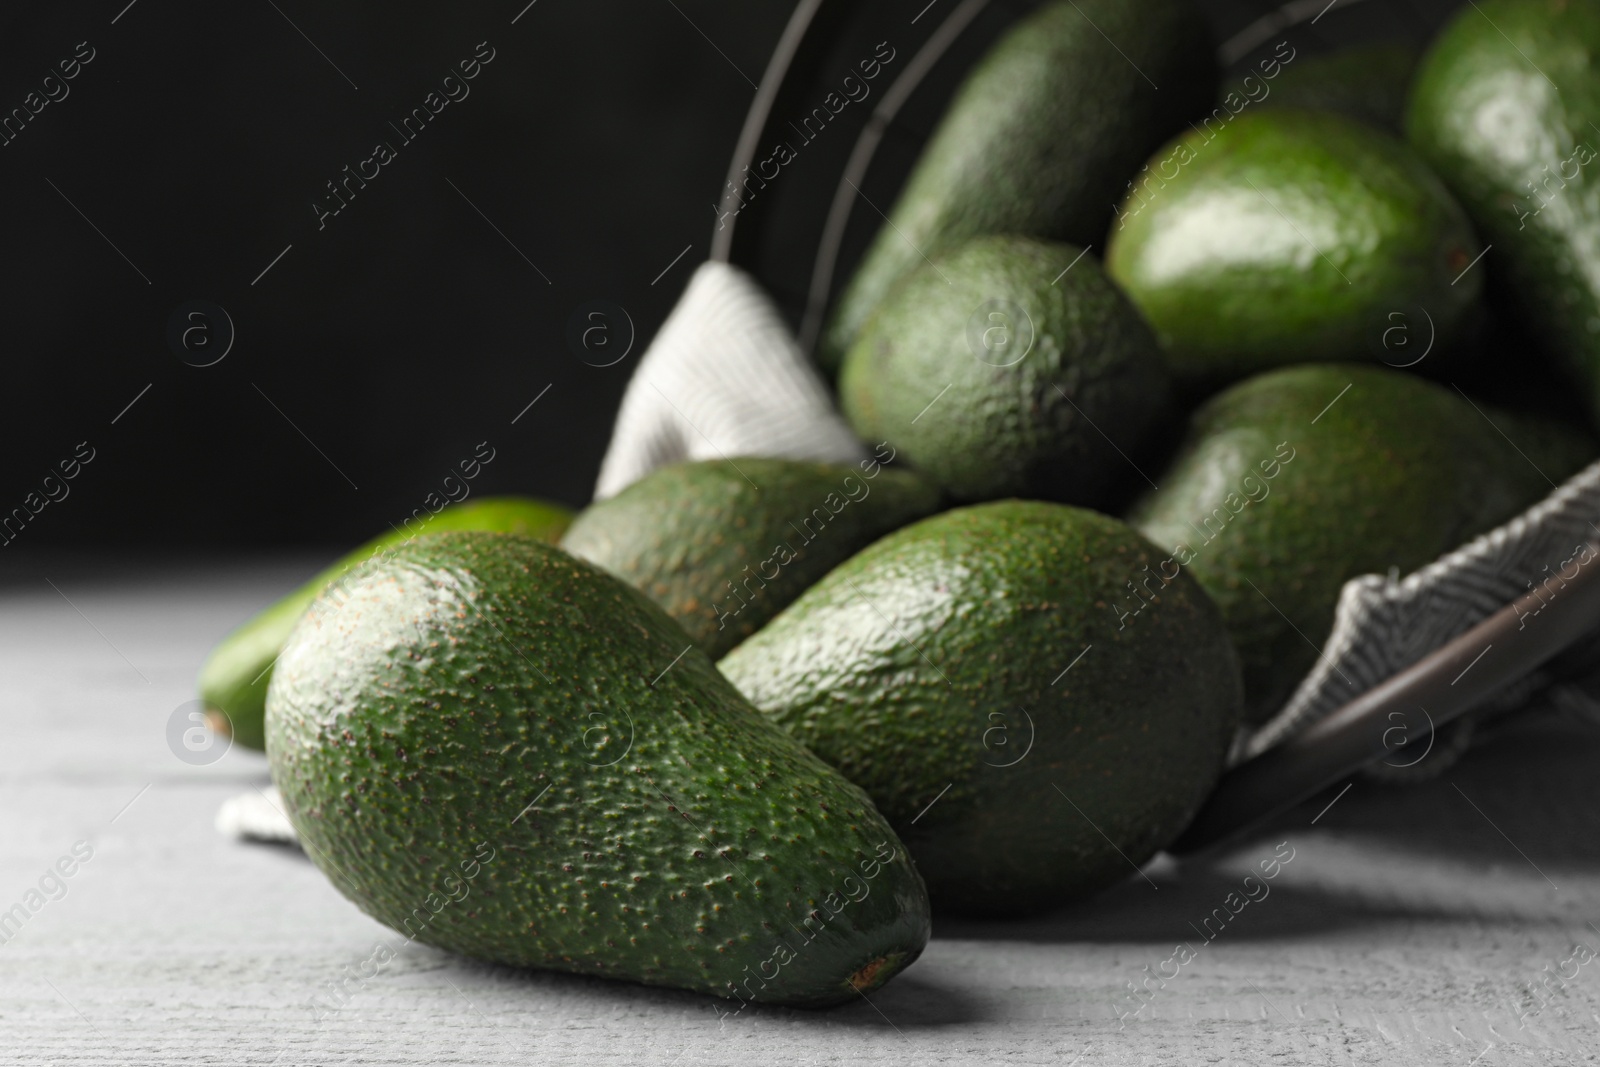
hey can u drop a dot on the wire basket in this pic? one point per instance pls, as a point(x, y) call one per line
point(805, 193)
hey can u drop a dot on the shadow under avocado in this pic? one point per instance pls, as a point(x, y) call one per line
point(1523, 795)
point(1179, 910)
point(1521, 801)
point(912, 1001)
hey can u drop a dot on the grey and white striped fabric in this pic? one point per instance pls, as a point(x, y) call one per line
point(723, 378)
point(1386, 623)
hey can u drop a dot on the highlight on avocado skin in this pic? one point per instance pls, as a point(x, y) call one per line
point(1003, 714)
point(1504, 107)
point(1289, 236)
point(234, 678)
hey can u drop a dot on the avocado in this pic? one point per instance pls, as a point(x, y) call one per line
point(724, 545)
point(1504, 107)
point(1366, 82)
point(1040, 138)
point(508, 753)
point(1009, 366)
point(972, 673)
point(1290, 236)
point(1292, 482)
point(234, 678)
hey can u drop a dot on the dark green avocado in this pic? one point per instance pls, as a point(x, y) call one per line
point(1505, 107)
point(1009, 366)
point(982, 675)
point(1295, 481)
point(724, 545)
point(1041, 138)
point(505, 752)
point(234, 678)
point(1290, 236)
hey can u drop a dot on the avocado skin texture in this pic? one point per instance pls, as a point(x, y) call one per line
point(723, 545)
point(1040, 138)
point(1502, 108)
point(1289, 236)
point(646, 823)
point(234, 678)
point(1272, 513)
point(1368, 82)
point(938, 657)
point(1032, 428)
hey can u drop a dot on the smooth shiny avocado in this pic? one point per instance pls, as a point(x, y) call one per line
point(1291, 236)
point(1504, 108)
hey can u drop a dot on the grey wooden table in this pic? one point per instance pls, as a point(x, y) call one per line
point(1407, 928)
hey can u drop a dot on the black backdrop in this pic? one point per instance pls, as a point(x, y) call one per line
point(375, 348)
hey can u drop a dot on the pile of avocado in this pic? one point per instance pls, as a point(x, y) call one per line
point(1147, 373)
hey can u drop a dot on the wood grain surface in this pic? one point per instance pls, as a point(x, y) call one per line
point(1407, 928)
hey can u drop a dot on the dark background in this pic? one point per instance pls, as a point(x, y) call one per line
point(381, 349)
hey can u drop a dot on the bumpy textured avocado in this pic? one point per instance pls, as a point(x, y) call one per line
point(1290, 236)
point(1368, 82)
point(724, 545)
point(1009, 366)
point(508, 753)
point(234, 678)
point(1041, 138)
point(973, 673)
point(1296, 480)
point(1504, 107)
